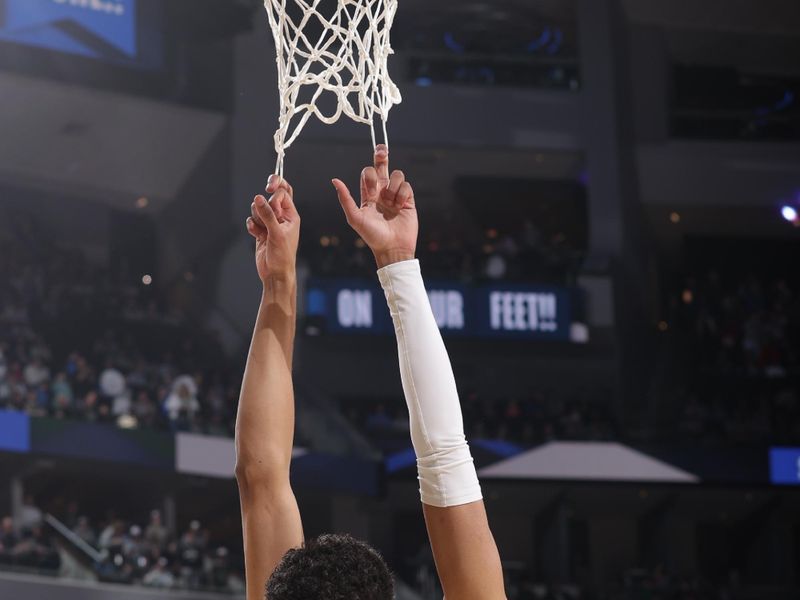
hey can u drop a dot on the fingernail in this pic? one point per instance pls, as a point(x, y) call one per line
point(260, 201)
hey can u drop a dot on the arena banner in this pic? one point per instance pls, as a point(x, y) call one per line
point(216, 457)
point(486, 311)
point(210, 456)
point(204, 455)
point(106, 30)
point(784, 464)
point(14, 431)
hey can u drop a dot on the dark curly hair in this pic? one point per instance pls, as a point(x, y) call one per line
point(331, 567)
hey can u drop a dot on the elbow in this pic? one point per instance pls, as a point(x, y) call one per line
point(250, 472)
point(260, 473)
point(242, 471)
point(260, 486)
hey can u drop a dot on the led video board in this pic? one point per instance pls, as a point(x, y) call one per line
point(112, 31)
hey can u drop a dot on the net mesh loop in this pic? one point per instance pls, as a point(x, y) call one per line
point(350, 60)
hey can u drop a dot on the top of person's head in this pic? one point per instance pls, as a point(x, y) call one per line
point(334, 567)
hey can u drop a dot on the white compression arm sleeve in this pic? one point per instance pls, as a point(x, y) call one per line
point(446, 471)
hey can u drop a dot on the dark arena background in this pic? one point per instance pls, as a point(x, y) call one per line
point(608, 193)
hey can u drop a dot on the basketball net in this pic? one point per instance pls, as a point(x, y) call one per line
point(349, 59)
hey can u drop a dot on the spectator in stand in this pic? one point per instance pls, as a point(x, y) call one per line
point(35, 549)
point(133, 545)
point(113, 391)
point(5, 387)
point(217, 569)
point(39, 400)
point(8, 540)
point(62, 396)
point(3, 364)
point(36, 374)
point(181, 405)
point(112, 537)
point(30, 515)
point(496, 266)
point(191, 549)
point(144, 409)
point(216, 402)
point(83, 530)
point(81, 376)
point(740, 339)
point(89, 406)
point(138, 378)
point(160, 575)
point(156, 534)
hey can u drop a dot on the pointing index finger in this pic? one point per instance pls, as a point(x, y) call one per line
point(277, 182)
point(382, 165)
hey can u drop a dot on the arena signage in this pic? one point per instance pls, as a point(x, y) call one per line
point(101, 29)
point(113, 6)
point(784, 464)
point(511, 311)
point(15, 435)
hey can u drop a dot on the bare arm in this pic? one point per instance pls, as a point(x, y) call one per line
point(465, 552)
point(265, 420)
point(466, 555)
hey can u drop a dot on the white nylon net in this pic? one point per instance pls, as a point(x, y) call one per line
point(348, 59)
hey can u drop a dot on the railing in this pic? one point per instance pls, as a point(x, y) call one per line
point(94, 555)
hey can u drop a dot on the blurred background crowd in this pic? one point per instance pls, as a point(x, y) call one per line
point(121, 550)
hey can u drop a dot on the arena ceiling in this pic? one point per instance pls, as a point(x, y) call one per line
point(761, 37)
point(776, 17)
point(105, 146)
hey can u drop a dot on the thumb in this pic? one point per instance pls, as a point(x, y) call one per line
point(345, 199)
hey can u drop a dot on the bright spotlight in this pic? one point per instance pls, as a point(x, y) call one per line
point(789, 213)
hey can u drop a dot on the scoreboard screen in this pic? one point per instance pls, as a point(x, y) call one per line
point(488, 311)
point(123, 32)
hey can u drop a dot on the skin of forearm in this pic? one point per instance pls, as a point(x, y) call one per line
point(391, 256)
point(265, 418)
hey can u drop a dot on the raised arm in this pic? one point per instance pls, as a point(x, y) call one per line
point(265, 420)
point(465, 552)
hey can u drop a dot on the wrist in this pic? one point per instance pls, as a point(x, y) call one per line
point(389, 257)
point(276, 287)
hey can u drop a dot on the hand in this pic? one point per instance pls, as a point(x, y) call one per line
point(275, 224)
point(387, 218)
